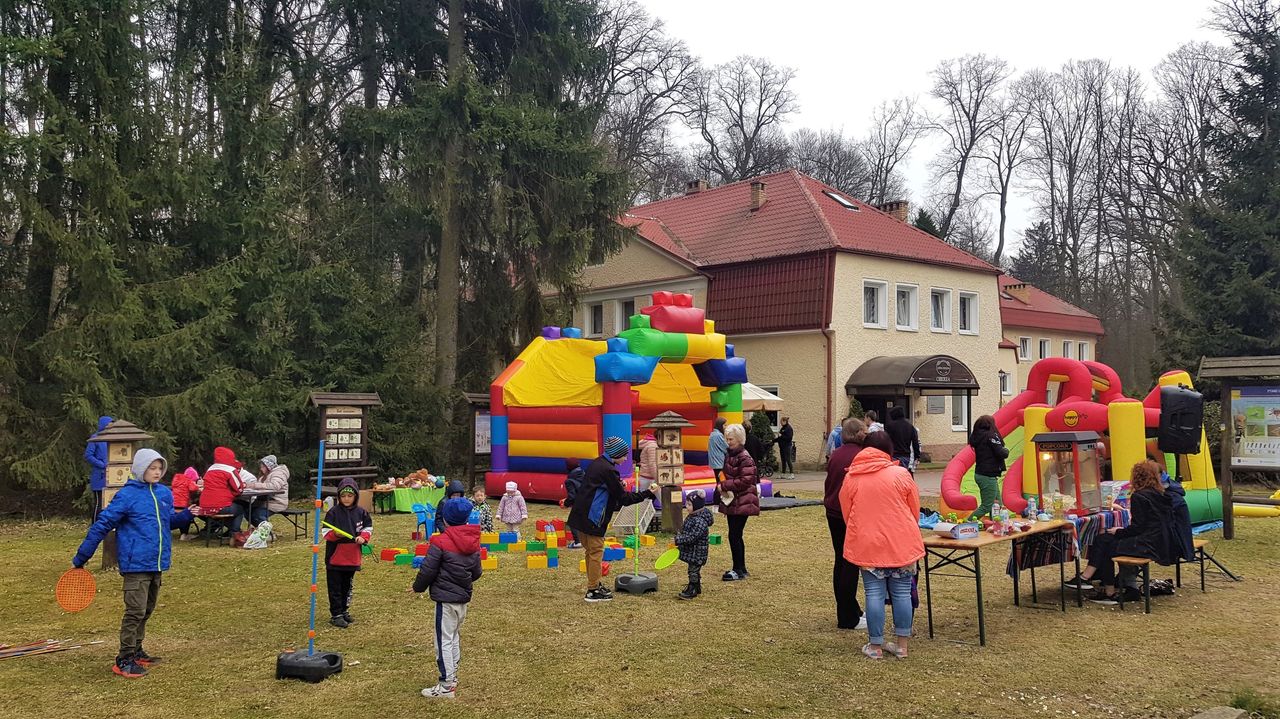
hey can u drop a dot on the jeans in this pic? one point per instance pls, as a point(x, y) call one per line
point(141, 590)
point(737, 522)
point(1101, 553)
point(844, 578)
point(989, 492)
point(899, 592)
point(256, 517)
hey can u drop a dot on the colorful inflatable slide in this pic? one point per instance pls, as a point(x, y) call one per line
point(1089, 397)
point(563, 395)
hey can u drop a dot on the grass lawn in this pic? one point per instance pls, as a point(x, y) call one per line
point(533, 648)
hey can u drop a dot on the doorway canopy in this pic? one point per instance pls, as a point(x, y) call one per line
point(926, 374)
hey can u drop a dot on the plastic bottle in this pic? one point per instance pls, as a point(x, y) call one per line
point(1032, 509)
point(996, 510)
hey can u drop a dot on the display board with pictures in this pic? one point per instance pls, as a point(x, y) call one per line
point(344, 425)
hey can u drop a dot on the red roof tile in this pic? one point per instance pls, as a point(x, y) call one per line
point(1044, 311)
point(652, 229)
point(717, 226)
point(788, 293)
point(1006, 344)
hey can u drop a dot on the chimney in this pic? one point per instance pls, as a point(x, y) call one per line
point(693, 187)
point(900, 209)
point(758, 197)
point(1019, 292)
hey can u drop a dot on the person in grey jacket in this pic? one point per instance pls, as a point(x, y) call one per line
point(717, 447)
point(449, 571)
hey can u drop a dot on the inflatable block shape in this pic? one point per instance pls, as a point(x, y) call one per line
point(670, 318)
point(648, 540)
point(421, 550)
point(571, 333)
point(663, 297)
point(552, 562)
point(490, 563)
point(713, 539)
point(625, 367)
point(708, 326)
point(560, 449)
point(405, 559)
point(616, 344)
point(489, 538)
point(516, 547)
point(389, 555)
point(704, 347)
point(728, 399)
point(535, 561)
point(638, 322)
point(671, 346)
point(484, 553)
point(551, 333)
point(499, 547)
point(718, 373)
point(538, 465)
point(556, 431)
point(728, 351)
point(582, 566)
point(536, 546)
point(613, 555)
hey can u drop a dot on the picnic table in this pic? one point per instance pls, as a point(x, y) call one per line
point(966, 555)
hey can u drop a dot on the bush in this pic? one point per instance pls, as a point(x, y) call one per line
point(1259, 706)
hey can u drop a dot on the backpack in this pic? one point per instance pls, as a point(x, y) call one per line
point(261, 538)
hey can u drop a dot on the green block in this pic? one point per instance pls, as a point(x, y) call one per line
point(656, 343)
point(728, 398)
point(366, 549)
point(535, 546)
point(497, 548)
point(552, 553)
point(639, 322)
point(404, 558)
point(713, 539)
point(631, 541)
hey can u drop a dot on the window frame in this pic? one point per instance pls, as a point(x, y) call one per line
point(1046, 347)
point(775, 416)
point(590, 319)
point(1066, 348)
point(959, 396)
point(1024, 355)
point(975, 304)
point(882, 289)
point(946, 292)
point(914, 295)
point(1006, 384)
point(624, 317)
point(1082, 351)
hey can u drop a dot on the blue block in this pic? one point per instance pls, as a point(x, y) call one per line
point(498, 430)
point(614, 555)
point(728, 350)
point(508, 538)
point(551, 333)
point(572, 333)
point(617, 344)
point(624, 367)
point(718, 373)
point(417, 562)
point(540, 465)
point(552, 562)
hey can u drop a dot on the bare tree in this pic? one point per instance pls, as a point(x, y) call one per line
point(895, 127)
point(1003, 153)
point(832, 158)
point(739, 110)
point(968, 88)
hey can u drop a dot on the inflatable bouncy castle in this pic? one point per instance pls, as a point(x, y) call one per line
point(1089, 397)
point(563, 395)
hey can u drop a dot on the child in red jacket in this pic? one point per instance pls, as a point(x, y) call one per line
point(342, 554)
point(185, 484)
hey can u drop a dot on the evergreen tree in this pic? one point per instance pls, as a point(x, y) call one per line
point(924, 221)
point(761, 428)
point(1229, 268)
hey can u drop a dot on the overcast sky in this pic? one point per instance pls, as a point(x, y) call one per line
point(850, 55)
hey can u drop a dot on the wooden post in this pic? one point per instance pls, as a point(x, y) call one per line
point(672, 509)
point(1228, 424)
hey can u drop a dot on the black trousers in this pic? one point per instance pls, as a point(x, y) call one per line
point(339, 583)
point(737, 522)
point(844, 578)
point(1101, 552)
point(784, 449)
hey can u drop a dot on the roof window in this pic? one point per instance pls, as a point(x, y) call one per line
point(844, 201)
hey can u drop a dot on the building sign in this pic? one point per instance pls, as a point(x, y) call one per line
point(484, 432)
point(943, 372)
point(1255, 415)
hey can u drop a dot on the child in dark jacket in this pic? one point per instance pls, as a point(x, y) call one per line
point(479, 500)
point(692, 541)
point(572, 482)
point(450, 568)
point(342, 554)
point(989, 454)
point(140, 515)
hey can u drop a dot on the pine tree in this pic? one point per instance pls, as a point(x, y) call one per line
point(1229, 268)
point(924, 221)
point(762, 429)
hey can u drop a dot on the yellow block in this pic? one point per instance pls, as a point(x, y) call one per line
point(704, 347)
point(648, 540)
point(708, 326)
point(516, 547)
point(732, 417)
point(631, 553)
point(556, 374)
point(536, 561)
point(540, 535)
point(1127, 426)
point(552, 448)
point(488, 537)
point(490, 563)
point(582, 566)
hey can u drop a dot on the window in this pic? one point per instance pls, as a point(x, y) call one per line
point(595, 319)
point(626, 308)
point(844, 202)
point(907, 307)
point(968, 313)
point(1066, 348)
point(959, 410)
point(1082, 351)
point(1044, 348)
point(940, 310)
point(874, 311)
point(773, 415)
point(1024, 348)
point(1006, 384)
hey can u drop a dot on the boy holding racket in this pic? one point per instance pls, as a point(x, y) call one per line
point(140, 514)
point(347, 527)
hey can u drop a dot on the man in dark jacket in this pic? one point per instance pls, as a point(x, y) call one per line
point(95, 453)
point(450, 569)
point(844, 575)
point(906, 441)
point(599, 497)
point(785, 436)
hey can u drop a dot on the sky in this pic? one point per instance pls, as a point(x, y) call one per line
point(851, 55)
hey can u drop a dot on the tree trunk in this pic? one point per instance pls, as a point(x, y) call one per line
point(448, 271)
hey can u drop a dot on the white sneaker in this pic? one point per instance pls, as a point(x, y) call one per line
point(438, 691)
point(862, 624)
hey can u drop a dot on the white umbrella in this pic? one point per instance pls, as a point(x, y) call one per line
point(755, 399)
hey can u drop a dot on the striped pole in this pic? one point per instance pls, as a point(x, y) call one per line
point(315, 556)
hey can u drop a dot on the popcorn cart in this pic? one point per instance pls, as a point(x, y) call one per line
point(1068, 463)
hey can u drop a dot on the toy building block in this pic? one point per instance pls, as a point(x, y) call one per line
point(612, 555)
point(489, 538)
point(417, 561)
point(553, 552)
point(630, 541)
point(536, 546)
point(610, 540)
point(535, 561)
point(421, 550)
point(552, 562)
point(415, 536)
point(582, 566)
point(648, 540)
point(366, 550)
point(518, 547)
point(604, 569)
point(630, 552)
point(714, 539)
point(540, 535)
point(508, 537)
point(389, 554)
point(498, 547)
point(559, 524)
point(490, 563)
point(404, 558)
point(484, 553)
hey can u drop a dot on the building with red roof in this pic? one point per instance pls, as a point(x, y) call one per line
point(1038, 325)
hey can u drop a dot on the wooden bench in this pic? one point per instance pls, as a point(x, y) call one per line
point(1145, 565)
point(299, 518)
point(210, 523)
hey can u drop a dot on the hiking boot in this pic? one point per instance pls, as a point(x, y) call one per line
point(1078, 582)
point(347, 616)
point(599, 594)
point(690, 591)
point(145, 659)
point(339, 621)
point(128, 668)
point(439, 691)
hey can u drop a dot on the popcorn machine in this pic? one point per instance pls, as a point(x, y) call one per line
point(1068, 463)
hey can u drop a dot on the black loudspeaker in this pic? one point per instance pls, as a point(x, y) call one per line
point(1181, 420)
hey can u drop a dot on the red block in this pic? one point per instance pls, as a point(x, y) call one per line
point(484, 553)
point(604, 569)
point(559, 523)
point(421, 550)
point(669, 318)
point(388, 555)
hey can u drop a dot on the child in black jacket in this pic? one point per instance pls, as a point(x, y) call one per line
point(450, 568)
point(349, 528)
point(572, 482)
point(989, 454)
point(692, 541)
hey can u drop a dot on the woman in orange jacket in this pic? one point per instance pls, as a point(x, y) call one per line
point(881, 508)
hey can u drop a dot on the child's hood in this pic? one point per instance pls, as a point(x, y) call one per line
point(455, 487)
point(869, 461)
point(103, 421)
point(460, 539)
point(350, 482)
point(143, 459)
point(225, 455)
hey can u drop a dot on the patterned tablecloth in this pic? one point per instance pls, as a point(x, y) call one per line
point(1042, 550)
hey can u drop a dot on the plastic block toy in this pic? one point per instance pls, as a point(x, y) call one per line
point(497, 547)
point(604, 569)
point(553, 552)
point(648, 540)
point(508, 537)
point(552, 562)
point(404, 558)
point(714, 539)
point(490, 563)
point(517, 547)
point(613, 555)
point(366, 550)
point(540, 535)
point(489, 538)
point(559, 524)
point(484, 553)
point(421, 550)
point(535, 546)
point(417, 561)
point(535, 561)
point(582, 566)
point(630, 552)
point(630, 541)
point(415, 536)
point(389, 555)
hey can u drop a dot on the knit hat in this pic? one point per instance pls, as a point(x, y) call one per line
point(615, 448)
point(696, 499)
point(457, 511)
point(511, 486)
point(270, 462)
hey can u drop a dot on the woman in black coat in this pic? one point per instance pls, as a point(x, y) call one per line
point(1150, 534)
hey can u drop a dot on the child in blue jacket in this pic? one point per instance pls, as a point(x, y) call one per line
point(140, 514)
